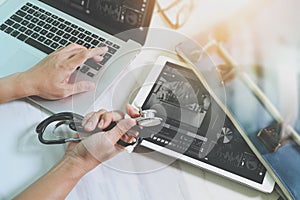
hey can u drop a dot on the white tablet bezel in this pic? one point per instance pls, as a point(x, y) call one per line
point(268, 182)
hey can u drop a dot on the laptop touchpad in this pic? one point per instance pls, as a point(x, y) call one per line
point(17, 60)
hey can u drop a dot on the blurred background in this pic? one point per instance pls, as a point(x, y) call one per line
point(262, 35)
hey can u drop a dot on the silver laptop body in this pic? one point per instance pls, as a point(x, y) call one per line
point(30, 30)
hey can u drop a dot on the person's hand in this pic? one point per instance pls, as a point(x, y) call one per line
point(82, 157)
point(101, 146)
point(49, 78)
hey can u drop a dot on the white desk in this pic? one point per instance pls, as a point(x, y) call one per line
point(24, 159)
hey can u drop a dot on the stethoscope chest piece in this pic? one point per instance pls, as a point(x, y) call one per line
point(148, 119)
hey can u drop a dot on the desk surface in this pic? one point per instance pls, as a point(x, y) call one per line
point(24, 159)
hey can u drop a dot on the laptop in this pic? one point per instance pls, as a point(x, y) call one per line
point(31, 29)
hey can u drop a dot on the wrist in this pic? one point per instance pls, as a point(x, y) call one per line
point(14, 86)
point(57, 182)
point(81, 159)
point(25, 84)
point(72, 167)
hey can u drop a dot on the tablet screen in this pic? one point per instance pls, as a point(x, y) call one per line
point(195, 125)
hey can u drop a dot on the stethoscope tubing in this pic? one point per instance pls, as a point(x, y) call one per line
point(75, 124)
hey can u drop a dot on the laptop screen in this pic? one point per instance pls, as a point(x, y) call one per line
point(113, 16)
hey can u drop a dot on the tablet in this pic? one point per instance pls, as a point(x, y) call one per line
point(197, 128)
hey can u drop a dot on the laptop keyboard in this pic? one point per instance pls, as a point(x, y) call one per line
point(48, 32)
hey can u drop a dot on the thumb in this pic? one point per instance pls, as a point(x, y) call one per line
point(132, 111)
point(81, 86)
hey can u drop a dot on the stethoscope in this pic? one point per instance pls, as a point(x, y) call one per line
point(74, 122)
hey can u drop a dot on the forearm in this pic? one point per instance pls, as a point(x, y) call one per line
point(57, 183)
point(14, 87)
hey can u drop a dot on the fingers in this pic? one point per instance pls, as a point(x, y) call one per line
point(76, 54)
point(80, 86)
point(83, 54)
point(132, 111)
point(101, 119)
point(91, 120)
point(128, 139)
point(98, 58)
point(109, 117)
point(86, 118)
point(93, 53)
point(120, 129)
point(71, 47)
